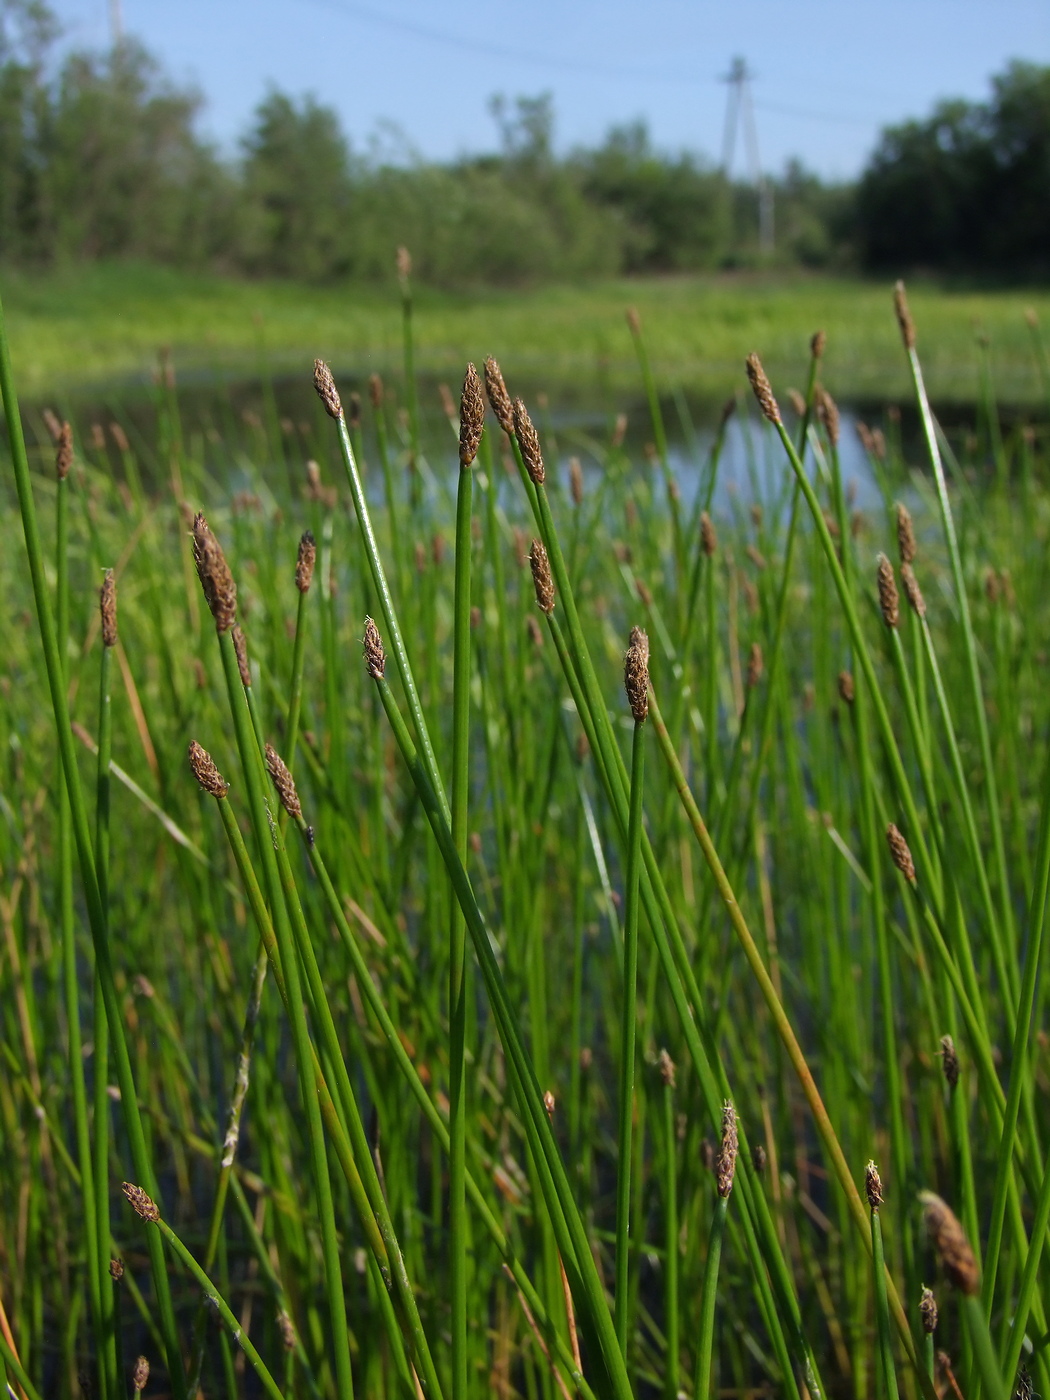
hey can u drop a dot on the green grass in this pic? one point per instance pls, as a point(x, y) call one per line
point(480, 782)
point(85, 327)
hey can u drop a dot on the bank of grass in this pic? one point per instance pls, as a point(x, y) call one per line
point(813, 851)
point(86, 327)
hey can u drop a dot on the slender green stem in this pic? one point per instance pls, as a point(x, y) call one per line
point(882, 1309)
point(984, 1352)
point(296, 701)
point(708, 1301)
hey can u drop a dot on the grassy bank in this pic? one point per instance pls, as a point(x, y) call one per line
point(84, 328)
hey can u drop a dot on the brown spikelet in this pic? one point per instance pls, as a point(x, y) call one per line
point(912, 591)
point(905, 534)
point(949, 1061)
point(549, 1103)
point(761, 388)
point(375, 391)
point(900, 853)
point(708, 537)
point(120, 437)
point(116, 1269)
point(828, 413)
point(634, 320)
point(541, 577)
point(728, 409)
point(107, 607)
point(375, 656)
point(220, 591)
point(817, 344)
point(498, 397)
point(529, 442)
point(667, 1069)
point(949, 1240)
point(534, 629)
point(51, 423)
point(140, 1375)
point(64, 452)
point(404, 263)
point(286, 1329)
point(304, 565)
point(354, 416)
point(725, 1163)
point(205, 771)
point(636, 675)
point(759, 1158)
point(928, 1311)
point(283, 782)
point(904, 320)
point(240, 647)
point(797, 402)
point(873, 1186)
point(846, 687)
point(878, 444)
point(140, 1201)
point(326, 390)
point(576, 480)
point(755, 666)
point(471, 416)
point(889, 599)
point(866, 440)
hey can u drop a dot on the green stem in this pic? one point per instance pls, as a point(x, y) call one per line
point(708, 1301)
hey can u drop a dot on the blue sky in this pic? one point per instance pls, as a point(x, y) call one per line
point(828, 73)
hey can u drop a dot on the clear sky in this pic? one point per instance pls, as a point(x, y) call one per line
point(827, 73)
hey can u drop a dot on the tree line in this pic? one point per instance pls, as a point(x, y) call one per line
point(101, 158)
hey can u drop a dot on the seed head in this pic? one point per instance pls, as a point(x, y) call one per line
point(283, 782)
point(904, 320)
point(107, 606)
point(140, 1375)
point(761, 388)
point(541, 577)
point(287, 1330)
point(636, 675)
point(64, 451)
point(725, 1163)
point(205, 771)
point(759, 1157)
point(828, 413)
point(949, 1061)
point(548, 1103)
point(375, 656)
point(375, 391)
point(529, 442)
point(900, 853)
point(326, 390)
point(304, 565)
point(141, 1202)
point(728, 409)
point(708, 537)
point(498, 397)
point(471, 416)
point(667, 1070)
point(404, 263)
point(576, 481)
point(817, 344)
point(116, 1269)
point(240, 647)
point(873, 1186)
point(912, 591)
point(634, 321)
point(949, 1240)
point(220, 591)
point(928, 1311)
point(846, 687)
point(798, 403)
point(889, 599)
point(905, 534)
point(755, 666)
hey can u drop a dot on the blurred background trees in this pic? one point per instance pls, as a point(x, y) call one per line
point(101, 158)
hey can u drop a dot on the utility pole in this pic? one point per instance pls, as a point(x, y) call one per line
point(740, 111)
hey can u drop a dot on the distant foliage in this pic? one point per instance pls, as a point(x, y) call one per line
point(968, 189)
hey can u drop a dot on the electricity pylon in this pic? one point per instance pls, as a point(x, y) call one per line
point(740, 111)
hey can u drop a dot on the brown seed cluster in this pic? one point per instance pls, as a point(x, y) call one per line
point(708, 537)
point(375, 656)
point(725, 1162)
point(904, 320)
point(762, 389)
point(140, 1375)
point(240, 647)
point(107, 607)
point(889, 598)
point(636, 675)
point(576, 481)
point(873, 1186)
point(471, 416)
point(404, 263)
point(755, 666)
point(64, 452)
point(950, 1243)
point(949, 1061)
point(912, 591)
point(906, 534)
point(498, 397)
point(847, 689)
point(667, 1069)
point(541, 577)
point(928, 1311)
point(828, 413)
point(220, 591)
point(900, 853)
point(817, 344)
point(283, 782)
point(304, 565)
point(375, 391)
point(326, 390)
point(205, 771)
point(142, 1203)
point(529, 442)
point(116, 1269)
